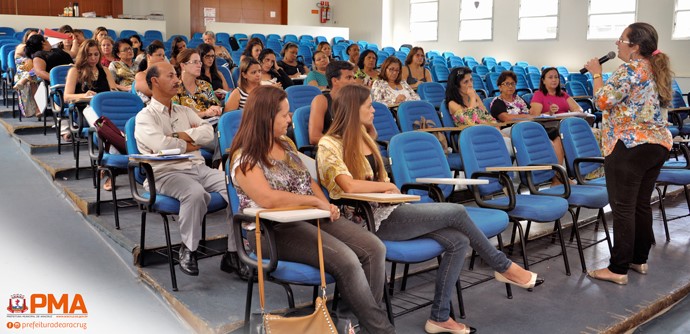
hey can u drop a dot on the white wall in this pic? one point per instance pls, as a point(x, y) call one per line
point(246, 28)
point(19, 22)
point(570, 49)
point(363, 17)
point(176, 13)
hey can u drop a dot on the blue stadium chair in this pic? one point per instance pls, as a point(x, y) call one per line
point(273, 37)
point(151, 201)
point(519, 69)
point(304, 52)
point(290, 38)
point(56, 91)
point(482, 146)
point(533, 69)
point(581, 148)
point(391, 50)
point(522, 64)
point(522, 85)
point(127, 33)
point(385, 125)
point(301, 95)
point(491, 81)
point(262, 37)
point(170, 39)
point(300, 122)
point(119, 107)
point(528, 99)
point(562, 70)
point(482, 70)
point(504, 63)
point(533, 147)
point(7, 31)
point(447, 54)
point(498, 69)
point(337, 39)
point(533, 79)
point(440, 73)
point(432, 92)
point(230, 123)
point(479, 86)
point(489, 62)
point(153, 34)
point(228, 77)
point(455, 61)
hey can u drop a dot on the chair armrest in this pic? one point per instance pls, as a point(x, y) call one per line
point(148, 170)
point(504, 180)
point(432, 190)
point(560, 173)
point(96, 149)
point(362, 208)
point(57, 87)
point(308, 148)
point(576, 164)
point(267, 227)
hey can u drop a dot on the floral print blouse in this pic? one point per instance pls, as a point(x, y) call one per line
point(329, 160)
point(287, 175)
point(122, 73)
point(631, 111)
point(382, 92)
point(200, 100)
point(471, 116)
point(517, 107)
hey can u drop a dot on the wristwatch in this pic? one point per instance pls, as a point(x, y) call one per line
point(175, 135)
point(596, 76)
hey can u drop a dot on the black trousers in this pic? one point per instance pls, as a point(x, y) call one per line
point(630, 177)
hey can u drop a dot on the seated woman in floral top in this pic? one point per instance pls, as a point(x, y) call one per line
point(194, 93)
point(464, 105)
point(367, 73)
point(123, 69)
point(389, 89)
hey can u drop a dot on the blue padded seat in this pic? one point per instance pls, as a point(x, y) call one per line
point(297, 273)
point(490, 221)
point(590, 196)
point(399, 251)
point(115, 160)
point(208, 155)
point(537, 208)
point(170, 205)
point(679, 176)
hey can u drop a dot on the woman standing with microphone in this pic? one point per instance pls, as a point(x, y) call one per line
point(636, 143)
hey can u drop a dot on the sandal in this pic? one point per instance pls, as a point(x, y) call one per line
point(67, 137)
point(108, 185)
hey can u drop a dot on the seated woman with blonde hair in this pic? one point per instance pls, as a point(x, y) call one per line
point(267, 172)
point(349, 161)
point(194, 92)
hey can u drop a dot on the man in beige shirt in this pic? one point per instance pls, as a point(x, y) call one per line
point(162, 126)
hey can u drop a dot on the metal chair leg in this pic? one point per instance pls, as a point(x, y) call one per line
point(171, 260)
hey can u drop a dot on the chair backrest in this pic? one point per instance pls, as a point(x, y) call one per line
point(290, 38)
point(446, 118)
point(274, 45)
point(455, 61)
point(119, 107)
point(482, 70)
point(489, 62)
point(432, 92)
point(228, 76)
point(479, 85)
point(678, 101)
point(533, 69)
point(440, 72)
point(491, 81)
point(522, 86)
point(227, 126)
point(528, 99)
point(498, 68)
point(483, 146)
point(236, 76)
point(128, 33)
point(576, 88)
point(522, 64)
point(519, 70)
point(301, 95)
point(533, 79)
point(153, 34)
point(579, 141)
point(58, 74)
point(384, 122)
point(300, 122)
point(487, 102)
point(533, 147)
point(411, 111)
point(418, 154)
point(132, 147)
point(562, 70)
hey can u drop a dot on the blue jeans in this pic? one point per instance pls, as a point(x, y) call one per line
point(355, 257)
point(450, 225)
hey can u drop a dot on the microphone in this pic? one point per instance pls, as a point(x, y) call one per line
point(602, 60)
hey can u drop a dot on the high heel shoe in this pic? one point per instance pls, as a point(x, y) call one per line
point(622, 280)
point(640, 268)
point(432, 328)
point(534, 280)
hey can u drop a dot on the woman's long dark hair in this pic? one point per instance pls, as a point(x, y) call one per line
point(255, 138)
point(204, 49)
point(542, 86)
point(150, 50)
point(453, 85)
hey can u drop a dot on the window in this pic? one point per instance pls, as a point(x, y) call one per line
point(681, 24)
point(424, 20)
point(608, 19)
point(476, 20)
point(538, 19)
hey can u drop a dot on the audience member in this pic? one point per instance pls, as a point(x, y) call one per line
point(462, 101)
point(389, 89)
point(250, 78)
point(267, 173)
point(210, 38)
point(367, 73)
point(68, 44)
point(353, 54)
point(124, 69)
point(25, 78)
point(317, 77)
point(155, 53)
point(139, 48)
point(253, 49)
point(209, 71)
point(338, 73)
point(551, 98)
point(178, 44)
point(293, 67)
point(348, 160)
point(414, 71)
point(271, 73)
point(99, 34)
point(107, 57)
point(326, 49)
point(195, 93)
point(164, 125)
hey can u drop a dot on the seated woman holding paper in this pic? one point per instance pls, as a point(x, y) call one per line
point(349, 161)
point(193, 92)
point(267, 173)
point(86, 79)
point(551, 98)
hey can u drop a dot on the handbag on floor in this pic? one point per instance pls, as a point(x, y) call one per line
point(319, 322)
